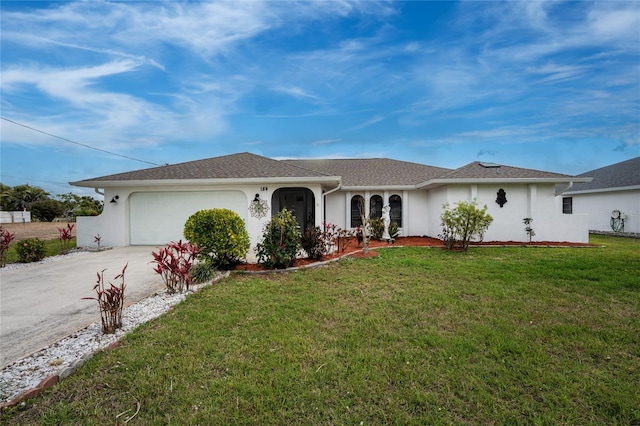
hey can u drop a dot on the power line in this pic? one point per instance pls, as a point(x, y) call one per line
point(35, 180)
point(78, 143)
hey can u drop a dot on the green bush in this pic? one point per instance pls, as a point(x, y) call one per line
point(280, 241)
point(463, 223)
point(221, 234)
point(377, 229)
point(202, 272)
point(30, 250)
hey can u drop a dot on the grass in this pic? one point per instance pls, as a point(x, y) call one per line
point(417, 336)
point(52, 247)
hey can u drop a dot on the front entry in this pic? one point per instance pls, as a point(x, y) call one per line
point(299, 201)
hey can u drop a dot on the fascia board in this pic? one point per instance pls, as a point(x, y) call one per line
point(189, 182)
point(433, 183)
point(378, 188)
point(600, 190)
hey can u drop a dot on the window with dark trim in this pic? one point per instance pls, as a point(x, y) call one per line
point(395, 202)
point(375, 207)
point(567, 205)
point(356, 202)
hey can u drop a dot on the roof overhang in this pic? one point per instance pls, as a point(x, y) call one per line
point(378, 188)
point(323, 180)
point(601, 190)
point(435, 183)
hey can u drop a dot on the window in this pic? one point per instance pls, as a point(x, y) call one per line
point(357, 202)
point(567, 205)
point(375, 207)
point(395, 202)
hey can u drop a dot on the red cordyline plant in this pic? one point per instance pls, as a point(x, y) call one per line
point(110, 301)
point(5, 242)
point(174, 263)
point(65, 237)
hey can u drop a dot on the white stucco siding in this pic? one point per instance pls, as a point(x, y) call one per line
point(156, 214)
point(536, 201)
point(336, 209)
point(507, 220)
point(599, 206)
point(416, 213)
point(155, 218)
point(435, 199)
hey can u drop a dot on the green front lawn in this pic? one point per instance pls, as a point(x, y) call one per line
point(417, 336)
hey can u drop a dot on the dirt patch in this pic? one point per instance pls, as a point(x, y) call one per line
point(42, 230)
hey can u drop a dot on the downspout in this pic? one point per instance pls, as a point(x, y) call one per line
point(324, 202)
point(98, 191)
point(566, 189)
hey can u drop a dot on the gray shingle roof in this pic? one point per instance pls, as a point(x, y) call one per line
point(477, 170)
point(378, 172)
point(370, 172)
point(236, 166)
point(618, 175)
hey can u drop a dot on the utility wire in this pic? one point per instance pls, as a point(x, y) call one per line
point(35, 180)
point(78, 143)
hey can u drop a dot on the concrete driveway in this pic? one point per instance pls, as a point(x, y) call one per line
point(41, 304)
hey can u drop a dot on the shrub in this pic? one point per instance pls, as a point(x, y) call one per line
point(6, 238)
point(463, 223)
point(342, 237)
point(377, 229)
point(221, 234)
point(314, 244)
point(30, 250)
point(47, 210)
point(280, 241)
point(202, 272)
point(174, 263)
point(110, 301)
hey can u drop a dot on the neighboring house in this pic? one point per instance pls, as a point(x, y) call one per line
point(611, 199)
point(150, 207)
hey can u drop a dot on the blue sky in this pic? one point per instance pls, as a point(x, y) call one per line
point(546, 85)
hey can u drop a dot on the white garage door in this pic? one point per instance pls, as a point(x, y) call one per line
point(155, 218)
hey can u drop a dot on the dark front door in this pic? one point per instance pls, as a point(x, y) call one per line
point(300, 202)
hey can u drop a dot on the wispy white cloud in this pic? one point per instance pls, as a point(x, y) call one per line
point(369, 122)
point(325, 141)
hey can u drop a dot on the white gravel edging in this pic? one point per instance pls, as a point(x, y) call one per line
point(49, 259)
point(63, 357)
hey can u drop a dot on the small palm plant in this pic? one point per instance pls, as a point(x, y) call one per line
point(528, 229)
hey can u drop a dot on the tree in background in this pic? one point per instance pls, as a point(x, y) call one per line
point(76, 205)
point(47, 210)
point(43, 207)
point(21, 197)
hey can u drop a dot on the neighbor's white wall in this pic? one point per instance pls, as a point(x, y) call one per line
point(15, 217)
point(600, 205)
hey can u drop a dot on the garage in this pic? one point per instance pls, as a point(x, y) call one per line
point(156, 218)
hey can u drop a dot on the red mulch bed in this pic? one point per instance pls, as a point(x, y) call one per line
point(354, 250)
